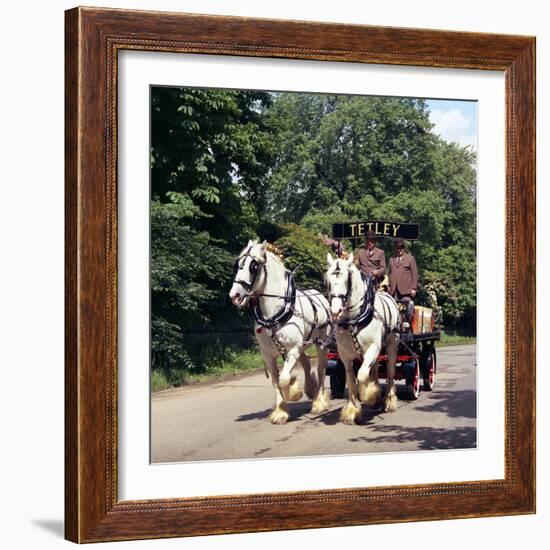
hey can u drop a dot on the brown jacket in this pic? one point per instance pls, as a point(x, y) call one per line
point(371, 261)
point(403, 276)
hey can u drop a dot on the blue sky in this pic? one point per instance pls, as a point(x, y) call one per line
point(455, 120)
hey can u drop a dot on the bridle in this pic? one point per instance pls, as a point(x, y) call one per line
point(366, 308)
point(255, 267)
point(287, 309)
point(343, 297)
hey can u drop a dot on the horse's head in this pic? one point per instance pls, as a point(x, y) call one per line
point(338, 281)
point(248, 272)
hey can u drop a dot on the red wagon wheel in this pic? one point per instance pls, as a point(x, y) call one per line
point(430, 370)
point(413, 383)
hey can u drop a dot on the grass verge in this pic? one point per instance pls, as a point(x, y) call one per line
point(455, 340)
point(249, 360)
point(237, 363)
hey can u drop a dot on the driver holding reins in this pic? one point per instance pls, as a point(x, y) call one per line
point(371, 259)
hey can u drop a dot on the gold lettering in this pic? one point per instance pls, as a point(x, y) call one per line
point(377, 230)
point(396, 226)
point(386, 228)
point(361, 229)
point(353, 226)
point(369, 225)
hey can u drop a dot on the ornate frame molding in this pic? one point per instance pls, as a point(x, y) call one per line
point(93, 38)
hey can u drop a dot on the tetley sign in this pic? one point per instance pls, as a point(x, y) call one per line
point(381, 228)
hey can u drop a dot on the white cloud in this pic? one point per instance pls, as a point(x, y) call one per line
point(454, 126)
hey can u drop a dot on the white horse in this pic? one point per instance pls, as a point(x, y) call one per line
point(364, 324)
point(288, 321)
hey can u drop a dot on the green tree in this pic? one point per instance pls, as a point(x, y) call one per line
point(350, 158)
point(209, 153)
point(212, 146)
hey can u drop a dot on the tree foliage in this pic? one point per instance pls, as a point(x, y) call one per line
point(344, 158)
point(305, 254)
point(230, 165)
point(209, 150)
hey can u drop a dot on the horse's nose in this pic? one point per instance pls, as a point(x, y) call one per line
point(336, 315)
point(236, 299)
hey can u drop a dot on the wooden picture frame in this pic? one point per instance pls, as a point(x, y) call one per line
point(93, 511)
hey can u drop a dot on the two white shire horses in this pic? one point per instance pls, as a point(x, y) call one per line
point(288, 320)
point(365, 321)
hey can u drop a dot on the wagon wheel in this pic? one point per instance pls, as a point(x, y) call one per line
point(338, 381)
point(430, 369)
point(413, 381)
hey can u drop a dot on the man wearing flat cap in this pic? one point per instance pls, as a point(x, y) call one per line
point(371, 259)
point(403, 273)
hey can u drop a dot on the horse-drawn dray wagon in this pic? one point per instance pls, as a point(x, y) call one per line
point(417, 330)
point(416, 361)
point(376, 336)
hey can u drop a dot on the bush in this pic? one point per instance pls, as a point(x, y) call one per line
point(303, 250)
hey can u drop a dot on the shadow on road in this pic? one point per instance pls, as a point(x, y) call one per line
point(456, 404)
point(253, 416)
point(333, 417)
point(295, 410)
point(427, 438)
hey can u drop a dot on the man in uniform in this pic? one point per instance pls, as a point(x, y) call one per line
point(403, 277)
point(403, 273)
point(371, 259)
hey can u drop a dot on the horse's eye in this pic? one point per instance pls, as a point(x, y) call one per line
point(254, 267)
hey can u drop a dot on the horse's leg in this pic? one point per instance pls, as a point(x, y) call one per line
point(279, 415)
point(351, 413)
point(286, 378)
point(320, 402)
point(310, 383)
point(369, 387)
point(390, 400)
point(295, 392)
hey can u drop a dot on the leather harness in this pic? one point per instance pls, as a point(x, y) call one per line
point(366, 311)
point(287, 310)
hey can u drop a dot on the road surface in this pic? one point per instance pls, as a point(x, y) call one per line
point(229, 419)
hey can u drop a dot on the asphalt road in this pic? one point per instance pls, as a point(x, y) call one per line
point(229, 419)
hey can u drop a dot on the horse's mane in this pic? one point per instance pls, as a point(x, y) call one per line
point(275, 258)
point(269, 253)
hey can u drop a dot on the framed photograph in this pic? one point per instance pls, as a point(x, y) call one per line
point(300, 275)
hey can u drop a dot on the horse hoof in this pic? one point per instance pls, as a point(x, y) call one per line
point(321, 403)
point(278, 416)
point(390, 404)
point(295, 393)
point(370, 394)
point(350, 415)
point(319, 407)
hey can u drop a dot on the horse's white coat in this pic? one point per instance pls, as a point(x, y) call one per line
point(292, 335)
point(365, 386)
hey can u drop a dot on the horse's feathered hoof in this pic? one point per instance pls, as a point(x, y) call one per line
point(390, 403)
point(320, 404)
point(295, 392)
point(350, 414)
point(279, 416)
point(370, 393)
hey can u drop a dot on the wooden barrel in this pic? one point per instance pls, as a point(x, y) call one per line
point(423, 320)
